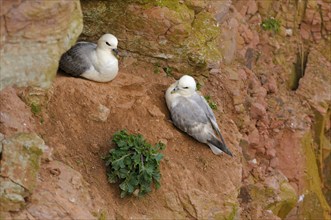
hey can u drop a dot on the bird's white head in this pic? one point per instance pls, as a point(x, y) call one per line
point(108, 42)
point(185, 86)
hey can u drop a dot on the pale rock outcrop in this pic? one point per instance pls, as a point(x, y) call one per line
point(15, 115)
point(34, 34)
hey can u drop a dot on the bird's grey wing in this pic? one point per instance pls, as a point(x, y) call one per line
point(77, 59)
point(188, 116)
point(201, 101)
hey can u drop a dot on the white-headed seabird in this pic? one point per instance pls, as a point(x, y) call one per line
point(96, 62)
point(191, 113)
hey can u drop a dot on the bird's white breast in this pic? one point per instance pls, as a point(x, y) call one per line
point(171, 98)
point(104, 68)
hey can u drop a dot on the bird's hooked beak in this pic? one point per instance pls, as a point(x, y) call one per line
point(174, 90)
point(115, 52)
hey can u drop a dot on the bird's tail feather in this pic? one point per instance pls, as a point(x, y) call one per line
point(215, 143)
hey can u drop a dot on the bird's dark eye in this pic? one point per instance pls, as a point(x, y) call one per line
point(107, 43)
point(186, 87)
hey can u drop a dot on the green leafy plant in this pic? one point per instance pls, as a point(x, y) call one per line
point(168, 70)
point(134, 163)
point(211, 103)
point(271, 24)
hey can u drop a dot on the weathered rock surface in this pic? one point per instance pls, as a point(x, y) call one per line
point(184, 34)
point(20, 163)
point(274, 195)
point(62, 193)
point(15, 116)
point(315, 87)
point(33, 37)
point(281, 132)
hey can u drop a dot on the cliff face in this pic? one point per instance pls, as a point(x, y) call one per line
point(265, 64)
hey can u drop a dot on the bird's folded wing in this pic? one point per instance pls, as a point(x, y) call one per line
point(201, 101)
point(77, 60)
point(188, 115)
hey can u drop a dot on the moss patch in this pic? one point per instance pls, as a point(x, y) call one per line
point(202, 45)
point(323, 152)
point(314, 205)
point(287, 203)
point(35, 108)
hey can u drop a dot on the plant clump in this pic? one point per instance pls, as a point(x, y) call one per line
point(271, 24)
point(134, 163)
point(168, 70)
point(210, 102)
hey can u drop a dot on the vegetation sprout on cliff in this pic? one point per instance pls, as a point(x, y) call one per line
point(271, 24)
point(211, 103)
point(134, 163)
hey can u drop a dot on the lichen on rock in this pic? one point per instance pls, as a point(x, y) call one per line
point(288, 199)
point(314, 203)
point(274, 194)
point(20, 163)
point(202, 44)
point(182, 36)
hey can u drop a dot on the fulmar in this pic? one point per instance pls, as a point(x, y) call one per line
point(96, 62)
point(191, 113)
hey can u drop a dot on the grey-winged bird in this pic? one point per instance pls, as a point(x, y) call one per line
point(191, 113)
point(96, 62)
